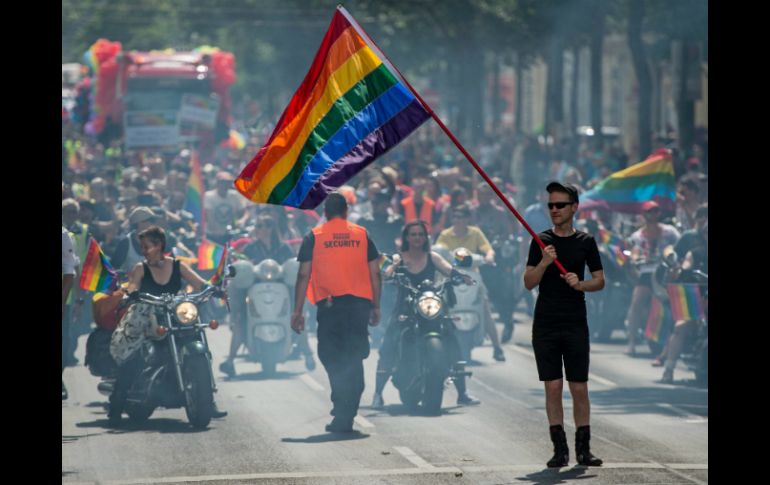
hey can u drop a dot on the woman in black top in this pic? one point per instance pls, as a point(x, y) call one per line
point(420, 264)
point(144, 278)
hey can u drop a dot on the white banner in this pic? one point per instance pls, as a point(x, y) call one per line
point(151, 128)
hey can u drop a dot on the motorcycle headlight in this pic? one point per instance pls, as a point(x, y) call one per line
point(186, 312)
point(429, 304)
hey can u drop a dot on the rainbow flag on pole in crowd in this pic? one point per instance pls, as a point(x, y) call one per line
point(615, 245)
point(628, 189)
point(209, 254)
point(97, 274)
point(195, 190)
point(655, 320)
point(220, 272)
point(686, 301)
point(352, 107)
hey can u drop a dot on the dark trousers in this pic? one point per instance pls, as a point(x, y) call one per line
point(127, 374)
point(343, 344)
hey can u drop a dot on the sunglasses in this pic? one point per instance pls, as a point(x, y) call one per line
point(559, 205)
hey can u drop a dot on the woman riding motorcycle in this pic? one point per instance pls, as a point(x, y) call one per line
point(418, 263)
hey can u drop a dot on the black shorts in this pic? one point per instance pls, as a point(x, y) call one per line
point(556, 343)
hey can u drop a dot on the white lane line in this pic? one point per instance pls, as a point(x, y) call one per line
point(691, 418)
point(591, 375)
point(614, 466)
point(311, 383)
point(363, 422)
point(413, 457)
point(281, 475)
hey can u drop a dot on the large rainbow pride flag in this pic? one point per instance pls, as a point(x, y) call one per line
point(352, 107)
point(628, 189)
point(98, 274)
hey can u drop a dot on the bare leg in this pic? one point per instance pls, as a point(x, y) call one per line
point(553, 404)
point(581, 407)
point(681, 330)
point(636, 313)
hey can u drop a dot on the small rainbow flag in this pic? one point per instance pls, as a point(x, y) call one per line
point(98, 274)
point(626, 190)
point(195, 190)
point(220, 272)
point(615, 245)
point(655, 320)
point(352, 107)
point(686, 301)
point(209, 254)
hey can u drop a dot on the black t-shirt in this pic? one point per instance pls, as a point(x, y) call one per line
point(557, 303)
point(306, 249)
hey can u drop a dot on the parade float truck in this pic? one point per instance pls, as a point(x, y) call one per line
point(159, 100)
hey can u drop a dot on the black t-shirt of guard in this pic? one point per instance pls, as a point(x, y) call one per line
point(557, 303)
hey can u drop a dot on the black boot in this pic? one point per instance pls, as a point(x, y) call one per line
point(582, 448)
point(560, 448)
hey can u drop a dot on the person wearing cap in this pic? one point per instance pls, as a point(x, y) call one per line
point(461, 235)
point(339, 272)
point(560, 327)
point(647, 245)
point(224, 206)
point(129, 249)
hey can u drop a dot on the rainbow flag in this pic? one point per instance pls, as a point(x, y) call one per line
point(98, 274)
point(220, 272)
point(655, 320)
point(615, 245)
point(352, 107)
point(195, 190)
point(686, 301)
point(209, 254)
point(628, 189)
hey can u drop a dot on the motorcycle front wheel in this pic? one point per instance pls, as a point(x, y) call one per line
point(435, 372)
point(199, 396)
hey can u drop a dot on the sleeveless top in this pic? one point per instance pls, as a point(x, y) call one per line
point(427, 273)
point(149, 285)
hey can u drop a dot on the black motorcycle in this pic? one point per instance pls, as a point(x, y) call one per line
point(424, 357)
point(176, 362)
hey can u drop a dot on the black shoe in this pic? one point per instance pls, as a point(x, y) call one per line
point(507, 334)
point(466, 399)
point(560, 450)
point(309, 362)
point(499, 355)
point(582, 448)
point(64, 394)
point(340, 426)
point(216, 412)
point(114, 418)
point(228, 368)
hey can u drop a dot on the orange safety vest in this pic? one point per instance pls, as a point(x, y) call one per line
point(426, 211)
point(340, 266)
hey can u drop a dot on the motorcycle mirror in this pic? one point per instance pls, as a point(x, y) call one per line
point(231, 271)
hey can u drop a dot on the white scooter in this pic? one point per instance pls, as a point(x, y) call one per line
point(268, 309)
point(468, 312)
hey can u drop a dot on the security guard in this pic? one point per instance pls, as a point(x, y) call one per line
point(339, 271)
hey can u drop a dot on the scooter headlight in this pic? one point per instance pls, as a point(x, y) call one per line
point(429, 304)
point(186, 313)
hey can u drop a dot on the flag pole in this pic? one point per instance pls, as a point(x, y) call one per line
point(459, 145)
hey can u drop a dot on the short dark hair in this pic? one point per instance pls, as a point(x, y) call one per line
point(155, 234)
point(336, 205)
point(405, 232)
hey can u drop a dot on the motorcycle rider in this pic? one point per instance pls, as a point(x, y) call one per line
point(144, 278)
point(460, 234)
point(419, 263)
point(266, 245)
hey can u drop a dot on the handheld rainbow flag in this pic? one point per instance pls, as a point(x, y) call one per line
point(655, 320)
point(615, 245)
point(209, 254)
point(195, 190)
point(686, 301)
point(628, 189)
point(220, 272)
point(98, 274)
point(352, 107)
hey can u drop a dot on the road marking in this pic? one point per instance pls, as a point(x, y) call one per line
point(691, 418)
point(413, 457)
point(311, 383)
point(363, 422)
point(591, 376)
point(420, 470)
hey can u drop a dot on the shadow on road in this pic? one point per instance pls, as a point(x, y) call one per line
point(261, 376)
point(160, 425)
point(647, 400)
point(552, 476)
point(325, 438)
